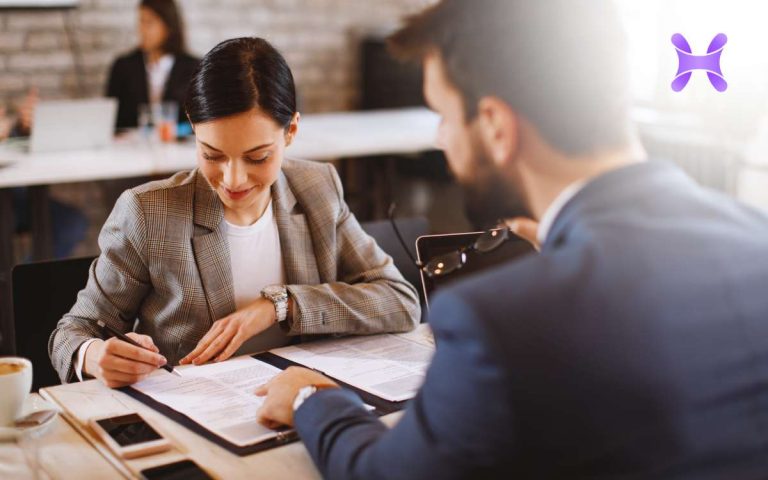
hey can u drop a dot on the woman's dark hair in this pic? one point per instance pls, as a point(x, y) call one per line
point(171, 17)
point(238, 75)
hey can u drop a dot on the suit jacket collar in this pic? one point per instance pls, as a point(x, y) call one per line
point(299, 258)
point(624, 188)
point(208, 211)
point(140, 72)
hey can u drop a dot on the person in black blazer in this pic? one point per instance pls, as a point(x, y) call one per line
point(633, 346)
point(133, 77)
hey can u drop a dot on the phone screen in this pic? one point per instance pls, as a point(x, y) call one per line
point(183, 470)
point(129, 430)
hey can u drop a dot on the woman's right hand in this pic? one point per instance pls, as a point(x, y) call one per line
point(118, 363)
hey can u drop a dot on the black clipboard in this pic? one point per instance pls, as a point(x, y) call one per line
point(382, 407)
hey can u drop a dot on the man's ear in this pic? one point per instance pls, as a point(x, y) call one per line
point(292, 129)
point(497, 125)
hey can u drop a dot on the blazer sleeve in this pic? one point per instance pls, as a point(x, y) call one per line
point(370, 294)
point(117, 284)
point(456, 426)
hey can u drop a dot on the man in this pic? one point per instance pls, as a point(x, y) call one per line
point(635, 345)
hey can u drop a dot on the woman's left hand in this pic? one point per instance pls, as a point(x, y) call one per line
point(229, 333)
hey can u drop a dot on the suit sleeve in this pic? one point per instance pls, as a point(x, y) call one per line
point(453, 428)
point(117, 284)
point(370, 296)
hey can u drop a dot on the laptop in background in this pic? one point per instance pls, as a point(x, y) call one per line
point(73, 124)
point(431, 246)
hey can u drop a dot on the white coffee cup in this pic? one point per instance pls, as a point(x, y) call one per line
point(14, 388)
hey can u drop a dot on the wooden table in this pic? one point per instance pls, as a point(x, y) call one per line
point(70, 450)
point(321, 137)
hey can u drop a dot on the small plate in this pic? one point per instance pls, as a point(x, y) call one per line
point(34, 404)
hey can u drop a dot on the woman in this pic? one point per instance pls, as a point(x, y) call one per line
point(158, 70)
point(250, 245)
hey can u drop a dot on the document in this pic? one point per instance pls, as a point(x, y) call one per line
point(218, 396)
point(391, 366)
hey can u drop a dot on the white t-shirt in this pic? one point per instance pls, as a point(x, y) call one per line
point(257, 261)
point(255, 254)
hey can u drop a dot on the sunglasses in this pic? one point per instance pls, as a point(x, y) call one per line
point(447, 263)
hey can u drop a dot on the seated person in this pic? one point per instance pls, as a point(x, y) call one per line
point(631, 347)
point(158, 70)
point(250, 245)
point(69, 224)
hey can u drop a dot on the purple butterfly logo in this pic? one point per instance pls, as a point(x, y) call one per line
point(688, 62)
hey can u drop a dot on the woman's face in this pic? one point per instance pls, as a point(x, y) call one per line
point(153, 32)
point(241, 156)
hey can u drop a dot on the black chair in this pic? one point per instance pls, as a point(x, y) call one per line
point(42, 293)
point(411, 229)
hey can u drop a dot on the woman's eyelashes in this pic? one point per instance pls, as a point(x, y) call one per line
point(213, 157)
point(218, 158)
point(257, 161)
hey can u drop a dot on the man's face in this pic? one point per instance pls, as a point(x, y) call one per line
point(488, 193)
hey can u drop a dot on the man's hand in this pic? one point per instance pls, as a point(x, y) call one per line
point(117, 363)
point(281, 392)
point(525, 228)
point(229, 333)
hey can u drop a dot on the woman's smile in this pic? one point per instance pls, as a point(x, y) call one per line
point(238, 194)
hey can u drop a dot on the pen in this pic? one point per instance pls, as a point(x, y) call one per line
point(128, 339)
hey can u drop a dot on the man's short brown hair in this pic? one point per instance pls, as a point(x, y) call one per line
point(558, 63)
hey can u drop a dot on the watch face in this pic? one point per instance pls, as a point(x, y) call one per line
point(274, 290)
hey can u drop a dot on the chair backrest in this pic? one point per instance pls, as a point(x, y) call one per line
point(42, 293)
point(411, 229)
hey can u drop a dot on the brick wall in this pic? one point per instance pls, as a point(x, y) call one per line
point(319, 39)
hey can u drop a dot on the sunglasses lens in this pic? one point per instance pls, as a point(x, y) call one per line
point(491, 240)
point(445, 264)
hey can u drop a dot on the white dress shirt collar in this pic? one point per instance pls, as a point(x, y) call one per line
point(551, 213)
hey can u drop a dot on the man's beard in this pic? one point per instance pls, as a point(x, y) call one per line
point(488, 198)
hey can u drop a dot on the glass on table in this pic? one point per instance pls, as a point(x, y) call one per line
point(167, 120)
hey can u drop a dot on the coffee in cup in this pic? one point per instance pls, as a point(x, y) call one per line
point(15, 384)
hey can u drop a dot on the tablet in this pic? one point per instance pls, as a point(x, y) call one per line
point(431, 246)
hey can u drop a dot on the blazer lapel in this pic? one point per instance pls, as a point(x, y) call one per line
point(211, 250)
point(296, 243)
point(140, 81)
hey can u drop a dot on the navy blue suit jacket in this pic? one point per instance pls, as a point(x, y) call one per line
point(635, 345)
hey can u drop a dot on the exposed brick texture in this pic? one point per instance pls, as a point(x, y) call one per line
point(319, 38)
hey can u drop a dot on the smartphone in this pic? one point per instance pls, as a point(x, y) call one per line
point(129, 436)
point(183, 470)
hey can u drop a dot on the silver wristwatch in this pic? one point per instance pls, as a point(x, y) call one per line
point(278, 295)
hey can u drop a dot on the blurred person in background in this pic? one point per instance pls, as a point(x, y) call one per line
point(69, 224)
point(158, 70)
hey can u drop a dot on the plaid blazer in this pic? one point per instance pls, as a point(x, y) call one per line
point(164, 268)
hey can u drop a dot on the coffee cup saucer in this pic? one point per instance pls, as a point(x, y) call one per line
point(34, 404)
